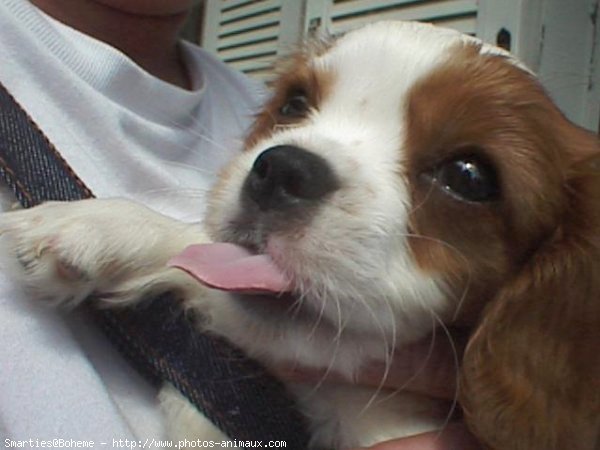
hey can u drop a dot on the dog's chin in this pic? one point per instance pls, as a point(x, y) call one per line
point(280, 310)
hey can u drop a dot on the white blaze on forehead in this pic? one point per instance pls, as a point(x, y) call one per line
point(361, 118)
point(372, 70)
point(413, 47)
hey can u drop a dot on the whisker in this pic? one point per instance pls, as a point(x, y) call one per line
point(421, 368)
point(460, 255)
point(205, 137)
point(188, 167)
point(186, 192)
point(456, 368)
point(425, 199)
point(340, 324)
point(319, 317)
point(388, 352)
point(329, 368)
point(295, 308)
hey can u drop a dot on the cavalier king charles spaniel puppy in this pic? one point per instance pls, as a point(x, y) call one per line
point(401, 178)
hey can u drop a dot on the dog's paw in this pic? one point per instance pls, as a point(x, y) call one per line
point(64, 252)
point(40, 249)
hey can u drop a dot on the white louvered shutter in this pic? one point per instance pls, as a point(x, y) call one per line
point(251, 35)
point(344, 15)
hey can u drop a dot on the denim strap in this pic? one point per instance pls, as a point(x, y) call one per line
point(236, 393)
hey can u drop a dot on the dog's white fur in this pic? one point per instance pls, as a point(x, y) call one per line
point(357, 274)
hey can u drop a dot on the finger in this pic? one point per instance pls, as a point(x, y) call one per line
point(428, 366)
point(454, 437)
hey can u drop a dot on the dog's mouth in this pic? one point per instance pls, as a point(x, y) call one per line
point(233, 268)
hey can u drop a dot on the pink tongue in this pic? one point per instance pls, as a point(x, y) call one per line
point(230, 267)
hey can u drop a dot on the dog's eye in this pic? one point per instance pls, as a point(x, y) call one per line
point(469, 178)
point(296, 105)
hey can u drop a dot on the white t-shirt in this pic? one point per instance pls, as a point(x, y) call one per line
point(126, 134)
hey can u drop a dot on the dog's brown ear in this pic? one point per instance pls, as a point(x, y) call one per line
point(531, 371)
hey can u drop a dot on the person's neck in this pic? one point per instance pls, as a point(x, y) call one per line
point(150, 41)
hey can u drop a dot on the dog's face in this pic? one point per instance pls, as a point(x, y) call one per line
point(405, 175)
point(390, 177)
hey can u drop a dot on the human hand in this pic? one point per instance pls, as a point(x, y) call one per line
point(428, 367)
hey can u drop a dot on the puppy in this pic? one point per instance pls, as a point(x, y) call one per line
point(401, 178)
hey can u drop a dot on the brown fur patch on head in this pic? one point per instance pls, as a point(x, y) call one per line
point(483, 105)
point(299, 76)
point(529, 258)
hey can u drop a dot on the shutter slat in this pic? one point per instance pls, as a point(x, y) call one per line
point(249, 37)
point(357, 6)
point(248, 51)
point(227, 5)
point(250, 23)
point(265, 63)
point(252, 9)
point(265, 75)
point(346, 18)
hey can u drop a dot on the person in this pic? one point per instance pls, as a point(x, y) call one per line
point(136, 113)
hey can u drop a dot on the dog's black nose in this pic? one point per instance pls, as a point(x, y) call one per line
point(286, 176)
